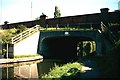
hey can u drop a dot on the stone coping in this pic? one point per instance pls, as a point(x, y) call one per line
point(16, 60)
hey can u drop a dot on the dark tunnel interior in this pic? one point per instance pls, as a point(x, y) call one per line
point(61, 47)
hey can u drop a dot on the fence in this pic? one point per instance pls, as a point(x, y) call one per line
point(24, 34)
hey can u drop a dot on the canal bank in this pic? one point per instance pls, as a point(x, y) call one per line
point(17, 60)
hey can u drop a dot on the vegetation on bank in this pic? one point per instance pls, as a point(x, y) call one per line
point(25, 56)
point(69, 70)
point(62, 29)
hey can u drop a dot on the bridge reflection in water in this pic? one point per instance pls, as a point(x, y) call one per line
point(31, 69)
point(26, 71)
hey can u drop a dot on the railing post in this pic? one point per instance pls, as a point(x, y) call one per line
point(29, 32)
point(36, 28)
point(20, 36)
point(12, 41)
point(7, 50)
point(46, 26)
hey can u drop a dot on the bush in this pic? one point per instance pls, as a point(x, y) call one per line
point(67, 70)
point(4, 51)
point(7, 34)
point(21, 28)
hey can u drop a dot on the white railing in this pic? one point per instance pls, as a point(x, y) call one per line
point(24, 34)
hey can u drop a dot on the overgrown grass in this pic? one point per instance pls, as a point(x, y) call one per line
point(24, 56)
point(69, 70)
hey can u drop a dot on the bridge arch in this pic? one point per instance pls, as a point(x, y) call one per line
point(63, 44)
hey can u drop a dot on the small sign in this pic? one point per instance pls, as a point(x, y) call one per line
point(66, 33)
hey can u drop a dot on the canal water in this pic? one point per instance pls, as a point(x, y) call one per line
point(34, 69)
point(31, 69)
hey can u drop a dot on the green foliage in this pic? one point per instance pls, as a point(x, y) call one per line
point(7, 34)
point(60, 29)
point(0, 52)
point(88, 47)
point(57, 12)
point(23, 56)
point(21, 28)
point(4, 51)
point(73, 73)
point(68, 70)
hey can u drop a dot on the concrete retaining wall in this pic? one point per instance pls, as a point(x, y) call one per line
point(27, 46)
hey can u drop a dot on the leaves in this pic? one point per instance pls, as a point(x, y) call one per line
point(7, 34)
point(68, 69)
point(57, 12)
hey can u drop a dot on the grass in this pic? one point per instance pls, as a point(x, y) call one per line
point(24, 56)
point(69, 70)
point(57, 29)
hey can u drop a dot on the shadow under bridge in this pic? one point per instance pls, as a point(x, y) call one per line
point(63, 44)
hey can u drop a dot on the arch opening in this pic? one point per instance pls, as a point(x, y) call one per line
point(66, 47)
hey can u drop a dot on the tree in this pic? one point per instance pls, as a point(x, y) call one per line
point(57, 12)
point(21, 28)
point(38, 18)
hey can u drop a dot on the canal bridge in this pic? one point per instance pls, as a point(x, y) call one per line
point(60, 43)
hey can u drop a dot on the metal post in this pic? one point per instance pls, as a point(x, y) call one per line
point(57, 26)
point(46, 26)
point(7, 50)
point(20, 36)
point(7, 72)
point(12, 40)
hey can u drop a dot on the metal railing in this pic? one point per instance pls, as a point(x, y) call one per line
point(107, 32)
point(24, 34)
point(74, 25)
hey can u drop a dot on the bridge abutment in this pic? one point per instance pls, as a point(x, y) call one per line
point(98, 48)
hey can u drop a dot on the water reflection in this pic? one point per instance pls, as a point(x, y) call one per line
point(26, 71)
point(31, 69)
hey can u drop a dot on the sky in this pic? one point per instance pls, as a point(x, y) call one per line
point(26, 10)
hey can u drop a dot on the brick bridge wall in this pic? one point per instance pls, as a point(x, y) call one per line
point(104, 16)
